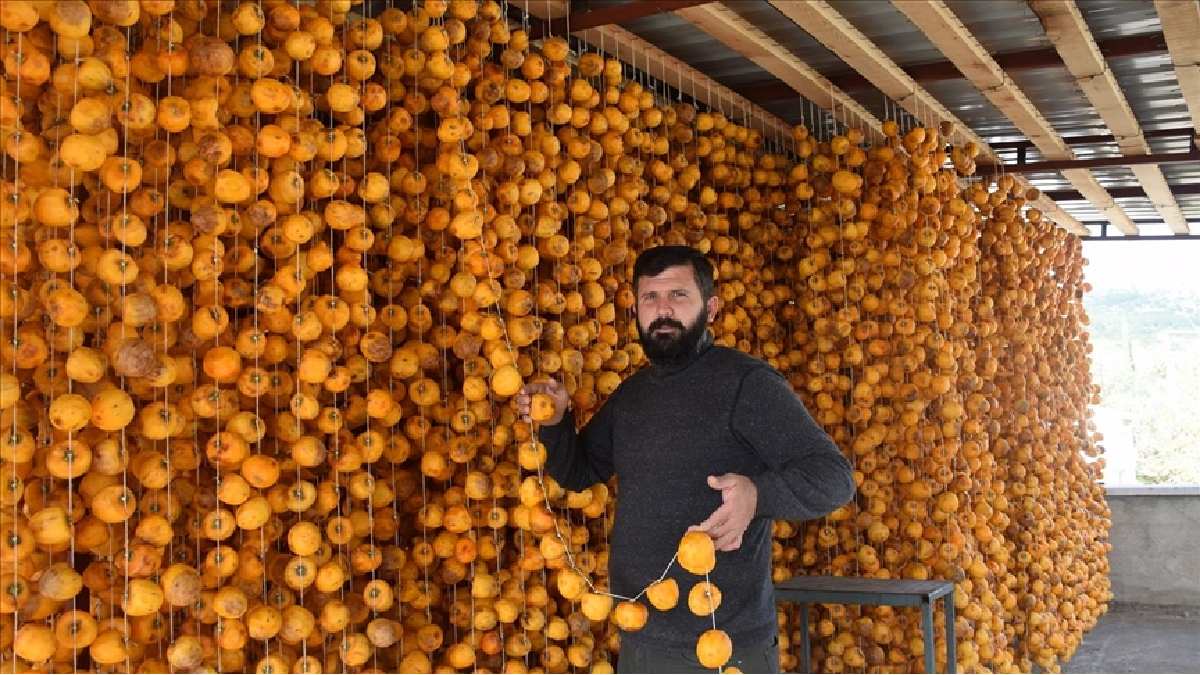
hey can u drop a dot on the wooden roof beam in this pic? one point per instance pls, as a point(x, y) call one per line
point(939, 71)
point(823, 22)
point(647, 58)
point(751, 42)
point(1130, 192)
point(948, 34)
point(1192, 156)
point(607, 14)
point(1099, 139)
point(1181, 25)
point(1066, 28)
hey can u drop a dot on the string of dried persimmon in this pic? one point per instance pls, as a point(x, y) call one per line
point(272, 272)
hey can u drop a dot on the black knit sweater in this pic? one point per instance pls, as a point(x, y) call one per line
point(664, 431)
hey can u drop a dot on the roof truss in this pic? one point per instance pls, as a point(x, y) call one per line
point(606, 15)
point(1066, 28)
point(1181, 24)
point(739, 35)
point(823, 22)
point(948, 34)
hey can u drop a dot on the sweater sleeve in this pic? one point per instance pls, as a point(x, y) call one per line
point(578, 460)
point(807, 476)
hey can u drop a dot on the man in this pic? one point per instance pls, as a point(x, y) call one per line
point(704, 438)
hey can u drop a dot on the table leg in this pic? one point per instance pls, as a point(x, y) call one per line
point(951, 638)
point(805, 647)
point(927, 631)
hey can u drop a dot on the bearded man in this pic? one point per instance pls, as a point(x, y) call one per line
point(704, 438)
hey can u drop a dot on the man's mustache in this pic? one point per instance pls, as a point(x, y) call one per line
point(665, 322)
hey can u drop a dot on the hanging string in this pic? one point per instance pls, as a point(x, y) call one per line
point(299, 206)
point(257, 336)
point(16, 585)
point(215, 439)
point(392, 309)
point(126, 494)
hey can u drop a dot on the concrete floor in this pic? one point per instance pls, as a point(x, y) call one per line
point(1141, 639)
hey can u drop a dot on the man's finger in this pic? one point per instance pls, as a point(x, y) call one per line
point(716, 520)
point(718, 517)
point(722, 482)
point(727, 542)
point(725, 528)
point(706, 525)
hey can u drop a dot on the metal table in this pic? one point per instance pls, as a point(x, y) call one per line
point(804, 590)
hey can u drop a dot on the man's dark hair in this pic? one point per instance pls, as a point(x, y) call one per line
point(654, 261)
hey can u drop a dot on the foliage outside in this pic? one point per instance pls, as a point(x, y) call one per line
point(1146, 360)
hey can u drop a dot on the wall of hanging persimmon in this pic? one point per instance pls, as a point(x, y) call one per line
point(270, 275)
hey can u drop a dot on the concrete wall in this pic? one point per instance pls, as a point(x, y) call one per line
point(1155, 556)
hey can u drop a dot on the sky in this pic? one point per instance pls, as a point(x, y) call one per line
point(1142, 265)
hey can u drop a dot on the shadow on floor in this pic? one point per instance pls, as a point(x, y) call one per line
point(1141, 639)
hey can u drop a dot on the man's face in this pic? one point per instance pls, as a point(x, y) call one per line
point(672, 315)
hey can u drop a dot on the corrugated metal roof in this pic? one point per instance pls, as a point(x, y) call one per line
point(770, 21)
point(1119, 18)
point(1001, 26)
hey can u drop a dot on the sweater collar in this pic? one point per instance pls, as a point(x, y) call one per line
point(663, 368)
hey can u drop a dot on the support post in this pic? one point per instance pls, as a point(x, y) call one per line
point(927, 631)
point(951, 637)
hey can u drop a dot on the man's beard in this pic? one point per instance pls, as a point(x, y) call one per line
point(672, 347)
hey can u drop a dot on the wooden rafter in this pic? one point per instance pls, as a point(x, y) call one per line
point(748, 40)
point(1181, 25)
point(642, 55)
point(608, 14)
point(1192, 156)
point(948, 34)
point(939, 71)
point(1094, 139)
point(1066, 28)
point(823, 22)
point(1120, 192)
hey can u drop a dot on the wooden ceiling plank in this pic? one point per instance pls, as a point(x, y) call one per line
point(940, 25)
point(1159, 192)
point(608, 14)
point(751, 42)
point(940, 71)
point(1132, 191)
point(1094, 192)
point(1181, 25)
point(1068, 31)
point(820, 20)
point(660, 65)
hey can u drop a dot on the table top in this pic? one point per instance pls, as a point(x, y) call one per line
point(814, 586)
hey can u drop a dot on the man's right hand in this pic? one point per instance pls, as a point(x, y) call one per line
point(543, 402)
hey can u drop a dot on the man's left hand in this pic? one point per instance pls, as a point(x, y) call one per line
point(728, 523)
